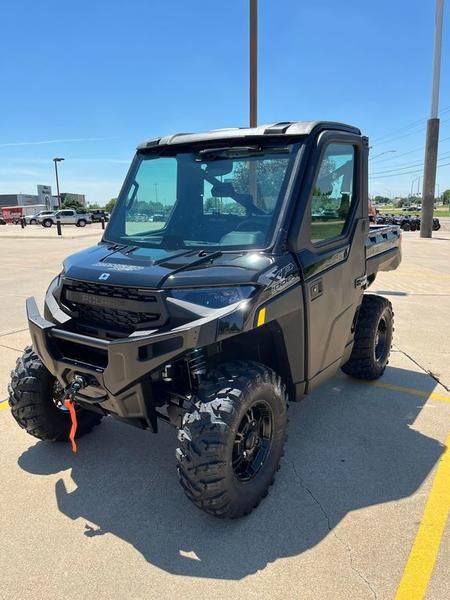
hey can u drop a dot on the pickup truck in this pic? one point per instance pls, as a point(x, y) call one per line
point(247, 297)
point(67, 217)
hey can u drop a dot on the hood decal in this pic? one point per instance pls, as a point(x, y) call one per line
point(118, 267)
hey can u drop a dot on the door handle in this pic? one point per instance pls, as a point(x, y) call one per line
point(316, 289)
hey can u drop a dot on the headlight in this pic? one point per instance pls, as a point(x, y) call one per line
point(214, 297)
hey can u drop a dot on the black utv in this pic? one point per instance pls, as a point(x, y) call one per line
point(247, 296)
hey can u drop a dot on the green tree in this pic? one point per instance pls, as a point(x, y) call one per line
point(446, 197)
point(382, 200)
point(72, 204)
point(268, 178)
point(110, 205)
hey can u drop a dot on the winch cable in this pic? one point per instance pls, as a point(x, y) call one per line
point(68, 403)
point(77, 384)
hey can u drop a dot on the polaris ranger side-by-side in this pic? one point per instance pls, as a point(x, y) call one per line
point(246, 292)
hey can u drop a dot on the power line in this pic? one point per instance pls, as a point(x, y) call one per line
point(410, 165)
point(406, 173)
point(407, 127)
point(417, 149)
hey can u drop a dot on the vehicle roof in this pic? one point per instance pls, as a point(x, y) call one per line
point(281, 128)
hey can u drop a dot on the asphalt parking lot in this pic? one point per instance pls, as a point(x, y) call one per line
point(360, 505)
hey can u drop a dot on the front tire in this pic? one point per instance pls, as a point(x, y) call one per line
point(232, 440)
point(35, 399)
point(373, 339)
point(81, 223)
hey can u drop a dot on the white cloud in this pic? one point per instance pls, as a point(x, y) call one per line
point(60, 141)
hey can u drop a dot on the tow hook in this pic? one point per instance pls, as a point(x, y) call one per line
point(77, 384)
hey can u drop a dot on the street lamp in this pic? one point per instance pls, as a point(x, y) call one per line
point(381, 154)
point(418, 185)
point(56, 161)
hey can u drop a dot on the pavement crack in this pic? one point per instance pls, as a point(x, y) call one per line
point(10, 348)
point(331, 530)
point(422, 368)
point(5, 333)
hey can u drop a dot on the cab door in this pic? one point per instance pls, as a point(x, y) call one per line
point(332, 255)
point(67, 217)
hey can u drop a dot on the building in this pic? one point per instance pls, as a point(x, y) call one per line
point(44, 196)
point(18, 199)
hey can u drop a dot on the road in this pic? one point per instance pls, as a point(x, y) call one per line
point(343, 519)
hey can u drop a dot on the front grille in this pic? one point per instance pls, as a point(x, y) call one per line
point(114, 307)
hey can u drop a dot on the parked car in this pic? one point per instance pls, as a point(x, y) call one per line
point(2, 221)
point(159, 219)
point(34, 219)
point(98, 214)
point(67, 216)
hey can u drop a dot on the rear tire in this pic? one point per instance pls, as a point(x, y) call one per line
point(373, 339)
point(232, 440)
point(33, 398)
point(47, 223)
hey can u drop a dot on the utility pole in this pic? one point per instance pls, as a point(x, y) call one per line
point(253, 68)
point(253, 62)
point(432, 142)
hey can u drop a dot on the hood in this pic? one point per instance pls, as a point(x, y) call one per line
point(157, 268)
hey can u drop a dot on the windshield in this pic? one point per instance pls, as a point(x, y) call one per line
point(221, 198)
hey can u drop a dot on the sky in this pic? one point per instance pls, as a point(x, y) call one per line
point(88, 81)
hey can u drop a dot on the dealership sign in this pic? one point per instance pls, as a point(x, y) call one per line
point(45, 195)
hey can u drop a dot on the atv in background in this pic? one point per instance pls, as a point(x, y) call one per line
point(405, 222)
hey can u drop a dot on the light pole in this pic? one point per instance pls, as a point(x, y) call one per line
point(56, 161)
point(418, 185)
point(431, 149)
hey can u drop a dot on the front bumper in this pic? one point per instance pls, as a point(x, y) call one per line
point(119, 371)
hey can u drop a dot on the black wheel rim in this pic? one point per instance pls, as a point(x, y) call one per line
point(253, 441)
point(381, 341)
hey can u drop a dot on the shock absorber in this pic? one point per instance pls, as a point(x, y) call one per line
point(196, 363)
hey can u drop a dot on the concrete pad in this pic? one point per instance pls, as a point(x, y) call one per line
point(439, 586)
point(8, 359)
point(112, 521)
point(37, 232)
point(420, 293)
point(16, 340)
